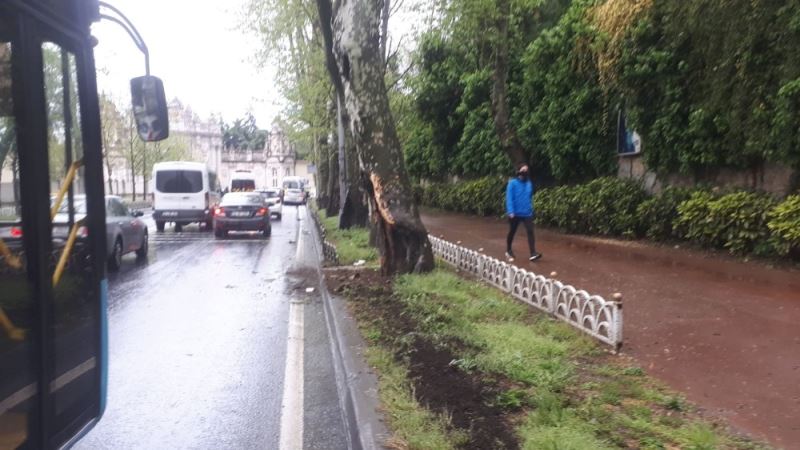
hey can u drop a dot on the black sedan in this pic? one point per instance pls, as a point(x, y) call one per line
point(242, 211)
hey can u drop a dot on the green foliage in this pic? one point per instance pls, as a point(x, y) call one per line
point(711, 84)
point(351, 244)
point(484, 196)
point(564, 114)
point(603, 206)
point(243, 133)
point(735, 221)
point(784, 223)
point(657, 213)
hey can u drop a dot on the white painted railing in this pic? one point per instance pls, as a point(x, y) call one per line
point(591, 314)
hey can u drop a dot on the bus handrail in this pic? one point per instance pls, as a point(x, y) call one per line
point(62, 261)
point(14, 333)
point(9, 257)
point(73, 169)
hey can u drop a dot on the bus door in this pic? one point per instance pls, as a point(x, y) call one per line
point(52, 226)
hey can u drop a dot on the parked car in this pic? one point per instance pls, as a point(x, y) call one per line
point(293, 191)
point(242, 211)
point(184, 192)
point(273, 199)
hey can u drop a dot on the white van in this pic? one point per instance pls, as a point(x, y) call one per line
point(242, 181)
point(183, 192)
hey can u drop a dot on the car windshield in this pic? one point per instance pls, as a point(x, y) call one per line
point(271, 194)
point(291, 185)
point(241, 199)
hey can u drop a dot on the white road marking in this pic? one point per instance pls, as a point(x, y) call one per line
point(292, 404)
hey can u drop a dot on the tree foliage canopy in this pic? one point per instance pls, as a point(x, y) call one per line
point(707, 84)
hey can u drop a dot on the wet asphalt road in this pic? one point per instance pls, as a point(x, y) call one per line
point(198, 345)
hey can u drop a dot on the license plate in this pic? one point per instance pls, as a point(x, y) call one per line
point(240, 214)
point(170, 214)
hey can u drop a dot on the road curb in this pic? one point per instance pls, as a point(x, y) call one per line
point(356, 383)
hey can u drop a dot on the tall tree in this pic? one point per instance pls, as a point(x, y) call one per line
point(112, 129)
point(500, 105)
point(351, 30)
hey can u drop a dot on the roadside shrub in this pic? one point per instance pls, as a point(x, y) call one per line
point(608, 206)
point(735, 221)
point(784, 223)
point(657, 213)
point(484, 196)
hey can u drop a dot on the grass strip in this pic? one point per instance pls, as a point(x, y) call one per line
point(556, 387)
point(352, 244)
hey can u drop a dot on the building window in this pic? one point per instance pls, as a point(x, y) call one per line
point(288, 172)
point(274, 182)
point(274, 173)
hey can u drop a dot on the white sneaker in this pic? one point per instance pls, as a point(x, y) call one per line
point(509, 257)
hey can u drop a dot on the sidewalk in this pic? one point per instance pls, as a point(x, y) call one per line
point(724, 332)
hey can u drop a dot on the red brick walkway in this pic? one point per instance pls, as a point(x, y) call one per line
point(723, 331)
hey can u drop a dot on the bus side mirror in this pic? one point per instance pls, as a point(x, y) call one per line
point(150, 108)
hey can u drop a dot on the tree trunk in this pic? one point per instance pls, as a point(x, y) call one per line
point(353, 42)
point(355, 212)
point(133, 172)
point(502, 124)
point(108, 168)
point(342, 158)
point(332, 207)
point(322, 172)
point(385, 10)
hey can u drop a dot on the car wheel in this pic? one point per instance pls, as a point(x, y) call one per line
point(218, 233)
point(267, 231)
point(115, 260)
point(141, 253)
point(209, 225)
point(160, 225)
point(178, 227)
point(279, 216)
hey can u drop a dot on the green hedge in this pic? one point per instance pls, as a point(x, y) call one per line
point(784, 225)
point(741, 222)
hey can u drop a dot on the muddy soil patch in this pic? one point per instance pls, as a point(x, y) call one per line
point(438, 384)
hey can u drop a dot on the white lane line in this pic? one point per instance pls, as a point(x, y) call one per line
point(292, 404)
point(30, 390)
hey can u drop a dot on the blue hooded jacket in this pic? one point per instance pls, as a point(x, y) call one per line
point(519, 198)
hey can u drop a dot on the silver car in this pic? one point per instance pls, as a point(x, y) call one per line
point(272, 197)
point(125, 231)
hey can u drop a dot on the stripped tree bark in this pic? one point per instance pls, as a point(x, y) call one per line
point(351, 30)
point(509, 141)
point(355, 212)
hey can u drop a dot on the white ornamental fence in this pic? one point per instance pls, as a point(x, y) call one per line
point(591, 314)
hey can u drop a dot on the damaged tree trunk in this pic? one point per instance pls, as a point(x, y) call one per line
point(355, 212)
point(509, 141)
point(354, 59)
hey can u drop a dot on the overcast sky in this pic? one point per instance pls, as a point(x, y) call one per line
point(196, 49)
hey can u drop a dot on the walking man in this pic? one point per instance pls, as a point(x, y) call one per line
point(519, 208)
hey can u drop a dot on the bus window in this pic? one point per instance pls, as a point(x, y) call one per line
point(75, 308)
point(17, 375)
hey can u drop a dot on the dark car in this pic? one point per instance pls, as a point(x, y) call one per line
point(242, 211)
